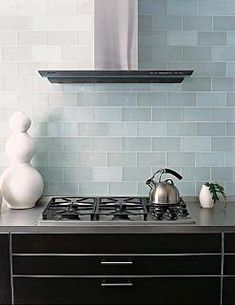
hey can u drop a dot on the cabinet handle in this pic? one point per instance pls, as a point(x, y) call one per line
point(130, 284)
point(110, 263)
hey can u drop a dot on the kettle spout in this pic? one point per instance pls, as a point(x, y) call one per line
point(150, 182)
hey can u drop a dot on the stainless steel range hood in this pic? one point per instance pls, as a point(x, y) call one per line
point(115, 45)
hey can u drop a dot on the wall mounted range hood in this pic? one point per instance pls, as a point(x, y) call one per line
point(115, 50)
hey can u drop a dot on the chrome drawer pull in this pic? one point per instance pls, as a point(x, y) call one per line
point(108, 263)
point(116, 284)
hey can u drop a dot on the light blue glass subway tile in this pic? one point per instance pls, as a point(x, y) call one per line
point(77, 114)
point(231, 7)
point(107, 114)
point(136, 87)
point(197, 23)
point(211, 99)
point(166, 144)
point(48, 144)
point(152, 65)
point(231, 38)
point(196, 114)
point(182, 65)
point(223, 83)
point(210, 69)
point(93, 188)
point(196, 53)
point(62, 99)
point(143, 189)
point(194, 144)
point(230, 129)
point(182, 7)
point(182, 38)
point(48, 114)
point(196, 173)
point(151, 159)
point(231, 69)
point(230, 159)
point(197, 84)
point(106, 144)
point(77, 173)
point(212, 8)
point(145, 22)
point(63, 159)
point(136, 173)
point(224, 23)
point(39, 159)
point(61, 188)
point(136, 114)
point(92, 99)
point(145, 54)
point(179, 159)
point(136, 144)
point(181, 129)
point(212, 38)
point(223, 114)
point(151, 39)
point(39, 129)
point(223, 143)
point(91, 159)
point(121, 129)
point(166, 87)
point(151, 7)
point(166, 114)
point(122, 159)
point(52, 173)
point(167, 23)
point(210, 129)
point(231, 99)
point(62, 129)
point(74, 87)
point(122, 99)
point(223, 174)
point(91, 129)
point(186, 188)
point(152, 129)
point(109, 174)
point(157, 99)
point(162, 54)
point(107, 87)
point(184, 99)
point(229, 188)
point(223, 53)
point(74, 144)
point(124, 188)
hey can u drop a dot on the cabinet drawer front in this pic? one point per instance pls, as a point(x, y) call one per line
point(112, 265)
point(228, 291)
point(116, 243)
point(229, 243)
point(198, 291)
point(229, 265)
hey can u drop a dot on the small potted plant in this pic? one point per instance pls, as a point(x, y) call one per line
point(210, 194)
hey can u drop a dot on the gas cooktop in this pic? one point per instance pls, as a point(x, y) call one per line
point(100, 210)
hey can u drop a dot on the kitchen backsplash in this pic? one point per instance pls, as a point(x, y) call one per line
point(109, 138)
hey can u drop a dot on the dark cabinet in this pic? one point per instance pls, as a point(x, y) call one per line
point(5, 289)
point(101, 269)
point(228, 291)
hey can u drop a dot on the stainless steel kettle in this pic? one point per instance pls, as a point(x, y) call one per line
point(163, 192)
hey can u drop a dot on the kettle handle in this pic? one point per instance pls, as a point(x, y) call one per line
point(170, 171)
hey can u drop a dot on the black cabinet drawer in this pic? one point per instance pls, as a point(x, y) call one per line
point(229, 264)
point(198, 291)
point(228, 291)
point(116, 243)
point(112, 265)
point(229, 243)
point(5, 288)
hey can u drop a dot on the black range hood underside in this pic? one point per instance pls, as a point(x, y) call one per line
point(115, 76)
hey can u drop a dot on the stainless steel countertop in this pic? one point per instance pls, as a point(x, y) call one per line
point(207, 220)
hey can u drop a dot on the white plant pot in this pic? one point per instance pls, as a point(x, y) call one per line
point(205, 198)
point(0, 200)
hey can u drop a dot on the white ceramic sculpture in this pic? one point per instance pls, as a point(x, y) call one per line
point(21, 184)
point(205, 197)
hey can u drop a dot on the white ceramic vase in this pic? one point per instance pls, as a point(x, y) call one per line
point(0, 200)
point(21, 184)
point(205, 198)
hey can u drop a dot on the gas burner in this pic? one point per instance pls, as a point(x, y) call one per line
point(132, 209)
